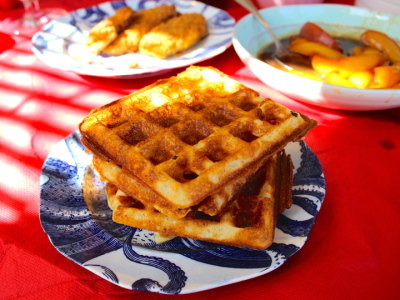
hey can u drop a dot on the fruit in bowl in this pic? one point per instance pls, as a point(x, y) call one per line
point(343, 22)
point(373, 60)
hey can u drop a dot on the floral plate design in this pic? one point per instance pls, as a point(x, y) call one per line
point(60, 44)
point(81, 228)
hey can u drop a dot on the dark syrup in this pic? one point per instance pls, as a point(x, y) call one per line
point(304, 65)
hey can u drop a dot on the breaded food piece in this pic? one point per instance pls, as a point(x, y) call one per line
point(128, 40)
point(174, 36)
point(135, 188)
point(187, 136)
point(106, 31)
point(248, 221)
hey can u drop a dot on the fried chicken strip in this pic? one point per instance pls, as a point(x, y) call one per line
point(106, 31)
point(174, 36)
point(128, 40)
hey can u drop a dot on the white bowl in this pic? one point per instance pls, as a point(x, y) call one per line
point(387, 6)
point(268, 3)
point(349, 21)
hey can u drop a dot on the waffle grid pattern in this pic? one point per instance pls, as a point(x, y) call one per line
point(188, 136)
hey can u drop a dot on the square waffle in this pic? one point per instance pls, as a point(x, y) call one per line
point(248, 221)
point(132, 186)
point(187, 136)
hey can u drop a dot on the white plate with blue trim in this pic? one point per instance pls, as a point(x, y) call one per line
point(130, 258)
point(61, 43)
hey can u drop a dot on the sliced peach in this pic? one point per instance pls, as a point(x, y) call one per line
point(308, 48)
point(337, 79)
point(371, 50)
point(396, 86)
point(374, 51)
point(312, 32)
point(383, 43)
point(357, 50)
point(297, 39)
point(323, 65)
point(386, 76)
point(362, 79)
point(305, 75)
point(351, 64)
point(346, 65)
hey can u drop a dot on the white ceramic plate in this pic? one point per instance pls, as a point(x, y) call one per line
point(61, 43)
point(349, 21)
point(130, 258)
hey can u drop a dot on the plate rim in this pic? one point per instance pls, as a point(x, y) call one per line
point(132, 73)
point(102, 272)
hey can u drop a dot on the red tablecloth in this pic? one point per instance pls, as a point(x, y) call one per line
point(353, 249)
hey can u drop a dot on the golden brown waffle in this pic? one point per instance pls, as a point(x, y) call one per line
point(188, 136)
point(248, 221)
point(134, 187)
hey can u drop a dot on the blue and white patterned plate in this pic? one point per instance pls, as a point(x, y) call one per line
point(129, 257)
point(60, 44)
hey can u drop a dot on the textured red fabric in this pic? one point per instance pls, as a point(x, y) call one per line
point(352, 252)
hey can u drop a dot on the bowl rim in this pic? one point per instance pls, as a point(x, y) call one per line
point(372, 102)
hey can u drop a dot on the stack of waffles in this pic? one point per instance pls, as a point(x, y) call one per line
point(197, 155)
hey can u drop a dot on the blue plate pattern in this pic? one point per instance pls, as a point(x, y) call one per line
point(77, 220)
point(60, 44)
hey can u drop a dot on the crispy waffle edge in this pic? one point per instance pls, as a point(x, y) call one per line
point(274, 196)
point(200, 192)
